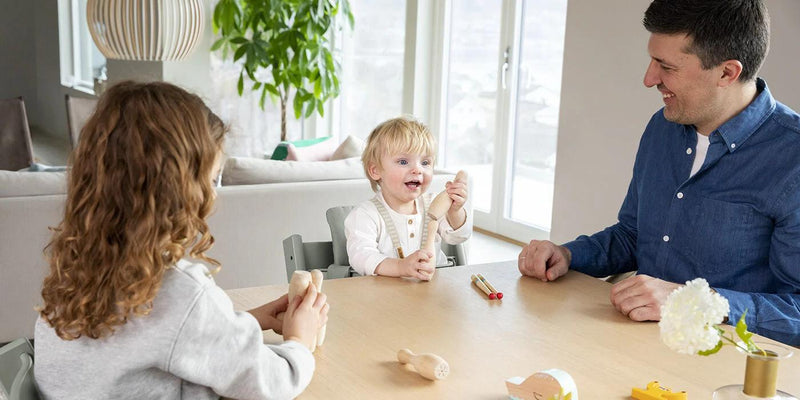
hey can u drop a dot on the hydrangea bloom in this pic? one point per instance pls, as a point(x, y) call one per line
point(689, 317)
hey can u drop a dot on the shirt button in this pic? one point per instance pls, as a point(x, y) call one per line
point(689, 150)
point(733, 145)
point(410, 221)
point(411, 235)
point(680, 195)
point(665, 238)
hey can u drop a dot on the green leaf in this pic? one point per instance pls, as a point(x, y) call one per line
point(256, 86)
point(240, 52)
point(317, 88)
point(711, 351)
point(744, 335)
point(272, 89)
point(240, 84)
point(217, 44)
point(298, 106)
point(310, 107)
point(239, 40)
point(320, 109)
point(263, 95)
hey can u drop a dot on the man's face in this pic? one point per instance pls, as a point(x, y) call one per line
point(689, 91)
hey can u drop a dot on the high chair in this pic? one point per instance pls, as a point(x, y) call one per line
point(331, 257)
point(16, 371)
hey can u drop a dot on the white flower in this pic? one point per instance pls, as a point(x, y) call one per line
point(689, 316)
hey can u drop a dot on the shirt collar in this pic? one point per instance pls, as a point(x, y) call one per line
point(738, 129)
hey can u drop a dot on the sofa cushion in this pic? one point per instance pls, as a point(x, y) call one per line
point(351, 147)
point(253, 171)
point(15, 183)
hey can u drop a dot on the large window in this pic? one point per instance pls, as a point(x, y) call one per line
point(81, 61)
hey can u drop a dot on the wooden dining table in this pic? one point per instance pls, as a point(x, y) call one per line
point(568, 324)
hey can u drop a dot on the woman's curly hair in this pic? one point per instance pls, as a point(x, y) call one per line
point(138, 193)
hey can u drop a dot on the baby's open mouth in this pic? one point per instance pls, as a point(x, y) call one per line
point(413, 184)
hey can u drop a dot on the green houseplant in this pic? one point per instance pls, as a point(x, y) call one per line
point(284, 48)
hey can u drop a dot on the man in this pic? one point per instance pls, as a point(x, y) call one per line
point(715, 191)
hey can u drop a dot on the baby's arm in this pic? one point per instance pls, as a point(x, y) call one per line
point(361, 228)
point(457, 214)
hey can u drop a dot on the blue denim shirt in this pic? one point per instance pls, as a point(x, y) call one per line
point(736, 222)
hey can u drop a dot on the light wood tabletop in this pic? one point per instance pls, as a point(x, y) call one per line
point(568, 324)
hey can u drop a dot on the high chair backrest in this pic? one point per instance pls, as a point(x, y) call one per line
point(16, 371)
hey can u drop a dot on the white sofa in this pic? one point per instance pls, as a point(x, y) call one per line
point(249, 225)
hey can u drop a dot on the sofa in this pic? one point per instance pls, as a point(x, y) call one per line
point(249, 224)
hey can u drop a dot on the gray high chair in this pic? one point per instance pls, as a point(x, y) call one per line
point(331, 257)
point(16, 371)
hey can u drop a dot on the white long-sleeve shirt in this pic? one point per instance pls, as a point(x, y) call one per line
point(192, 345)
point(368, 242)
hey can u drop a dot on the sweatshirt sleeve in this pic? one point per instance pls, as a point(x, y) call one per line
point(223, 349)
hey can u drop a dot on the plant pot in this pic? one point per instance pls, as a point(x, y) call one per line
point(760, 377)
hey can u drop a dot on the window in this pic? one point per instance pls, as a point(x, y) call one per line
point(81, 61)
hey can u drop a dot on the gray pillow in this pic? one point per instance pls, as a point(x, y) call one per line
point(254, 171)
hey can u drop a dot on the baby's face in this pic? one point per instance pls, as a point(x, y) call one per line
point(404, 177)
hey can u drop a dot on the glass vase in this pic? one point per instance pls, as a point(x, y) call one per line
point(760, 376)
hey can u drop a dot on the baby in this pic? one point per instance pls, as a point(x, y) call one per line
point(384, 234)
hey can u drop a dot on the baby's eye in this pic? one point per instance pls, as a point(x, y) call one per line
point(426, 163)
point(402, 162)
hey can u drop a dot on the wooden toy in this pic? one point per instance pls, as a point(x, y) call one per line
point(654, 391)
point(497, 294)
point(428, 365)
point(543, 385)
point(430, 243)
point(316, 279)
point(298, 286)
point(477, 282)
point(441, 203)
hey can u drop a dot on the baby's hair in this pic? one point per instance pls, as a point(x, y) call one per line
point(138, 193)
point(397, 135)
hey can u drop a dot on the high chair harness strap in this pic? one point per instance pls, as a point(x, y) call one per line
point(391, 229)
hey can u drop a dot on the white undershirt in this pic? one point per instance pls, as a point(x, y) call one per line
point(700, 153)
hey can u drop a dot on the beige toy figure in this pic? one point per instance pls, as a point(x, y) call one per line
point(548, 384)
point(297, 287)
point(439, 206)
point(316, 279)
point(428, 365)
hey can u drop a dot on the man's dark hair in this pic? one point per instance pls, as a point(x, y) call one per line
point(720, 29)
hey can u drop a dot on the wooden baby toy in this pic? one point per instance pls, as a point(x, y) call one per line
point(439, 206)
point(441, 203)
point(547, 384)
point(298, 287)
point(428, 365)
point(316, 279)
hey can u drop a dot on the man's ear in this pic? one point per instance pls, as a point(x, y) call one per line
point(730, 72)
point(374, 172)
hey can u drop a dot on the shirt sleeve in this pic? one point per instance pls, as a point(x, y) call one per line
point(362, 230)
point(455, 236)
point(223, 349)
point(613, 250)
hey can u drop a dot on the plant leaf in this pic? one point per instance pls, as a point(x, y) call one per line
point(745, 335)
point(711, 351)
point(240, 84)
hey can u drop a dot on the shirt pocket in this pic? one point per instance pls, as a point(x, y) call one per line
point(723, 236)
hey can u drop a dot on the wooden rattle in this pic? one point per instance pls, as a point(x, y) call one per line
point(428, 365)
point(316, 279)
point(442, 202)
point(298, 287)
point(430, 243)
point(547, 384)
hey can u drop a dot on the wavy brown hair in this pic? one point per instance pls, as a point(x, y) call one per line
point(138, 193)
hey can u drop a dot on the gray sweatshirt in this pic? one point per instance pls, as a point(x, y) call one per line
point(193, 345)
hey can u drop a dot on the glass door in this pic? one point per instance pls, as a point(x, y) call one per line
point(503, 81)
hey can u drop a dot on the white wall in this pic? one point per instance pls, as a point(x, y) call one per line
point(605, 106)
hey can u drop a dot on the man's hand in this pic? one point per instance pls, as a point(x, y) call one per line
point(640, 297)
point(543, 259)
point(267, 314)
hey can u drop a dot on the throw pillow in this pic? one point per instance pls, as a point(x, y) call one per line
point(351, 147)
point(319, 149)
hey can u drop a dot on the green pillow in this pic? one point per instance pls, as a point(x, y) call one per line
point(282, 150)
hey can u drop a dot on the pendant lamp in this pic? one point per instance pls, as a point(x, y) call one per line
point(145, 30)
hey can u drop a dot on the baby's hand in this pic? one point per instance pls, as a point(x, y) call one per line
point(457, 190)
point(418, 265)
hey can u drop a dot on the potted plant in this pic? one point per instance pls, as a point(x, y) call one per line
point(283, 45)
